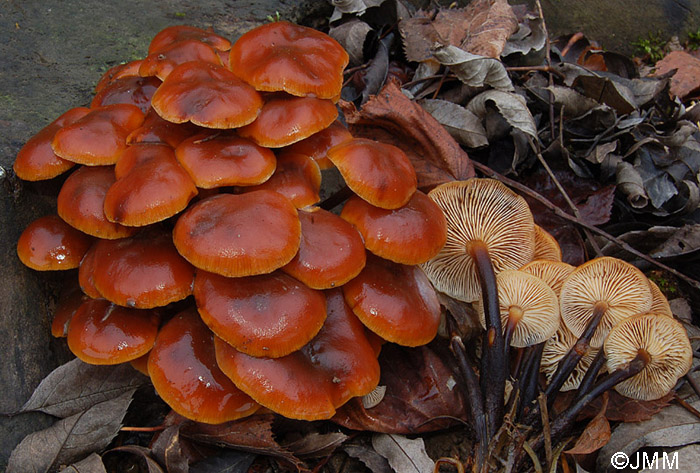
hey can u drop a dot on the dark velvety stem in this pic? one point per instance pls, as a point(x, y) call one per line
point(530, 379)
point(494, 368)
point(476, 402)
point(571, 359)
point(591, 375)
point(333, 200)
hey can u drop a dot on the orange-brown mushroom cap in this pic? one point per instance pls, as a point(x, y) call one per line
point(182, 367)
point(101, 333)
point(134, 90)
point(267, 315)
point(317, 145)
point(207, 95)
point(311, 383)
point(143, 271)
point(86, 273)
point(98, 138)
point(285, 119)
point(298, 60)
point(50, 244)
point(173, 34)
point(297, 177)
point(378, 172)
point(81, 201)
point(126, 69)
point(69, 301)
point(395, 301)
point(331, 251)
point(239, 235)
point(156, 130)
point(546, 246)
point(411, 234)
point(151, 186)
point(225, 159)
point(36, 161)
point(163, 62)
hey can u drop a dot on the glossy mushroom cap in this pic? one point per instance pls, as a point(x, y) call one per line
point(98, 138)
point(239, 235)
point(311, 383)
point(378, 172)
point(297, 177)
point(36, 161)
point(225, 159)
point(298, 60)
point(616, 287)
point(529, 304)
point(142, 272)
point(554, 273)
point(395, 301)
point(101, 333)
point(331, 251)
point(71, 298)
point(479, 211)
point(665, 342)
point(50, 244)
point(86, 273)
point(156, 130)
point(317, 145)
point(546, 246)
point(269, 315)
point(151, 186)
point(163, 62)
point(81, 202)
point(132, 90)
point(207, 95)
point(411, 234)
point(176, 33)
point(286, 119)
point(556, 348)
point(127, 69)
point(182, 367)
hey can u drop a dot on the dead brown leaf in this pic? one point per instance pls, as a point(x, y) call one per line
point(687, 77)
point(391, 117)
point(624, 409)
point(481, 28)
point(595, 435)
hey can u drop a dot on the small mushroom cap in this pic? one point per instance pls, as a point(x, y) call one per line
point(378, 172)
point(311, 383)
point(156, 130)
point(182, 367)
point(86, 273)
point(70, 300)
point(268, 315)
point(659, 303)
point(395, 301)
point(556, 348)
point(331, 251)
point(134, 90)
point(546, 246)
point(286, 119)
point(176, 33)
point(99, 137)
point(617, 285)
point(143, 271)
point(317, 145)
point(554, 273)
point(151, 186)
point(225, 159)
point(411, 234)
point(207, 95)
point(297, 177)
point(126, 69)
point(36, 161)
point(101, 333)
point(50, 244)
point(479, 211)
point(532, 301)
point(163, 62)
point(298, 60)
point(239, 235)
point(81, 200)
point(664, 340)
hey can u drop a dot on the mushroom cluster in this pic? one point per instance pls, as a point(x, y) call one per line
point(202, 255)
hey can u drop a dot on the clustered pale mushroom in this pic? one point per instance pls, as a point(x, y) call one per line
point(203, 256)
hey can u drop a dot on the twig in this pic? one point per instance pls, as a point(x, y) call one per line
point(157, 428)
point(533, 456)
point(548, 69)
point(687, 406)
point(570, 218)
point(442, 81)
point(693, 384)
point(548, 61)
point(542, 400)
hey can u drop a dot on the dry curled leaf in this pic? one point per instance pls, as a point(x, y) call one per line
point(141, 452)
point(371, 459)
point(316, 445)
point(71, 438)
point(404, 455)
point(393, 118)
point(686, 80)
point(91, 464)
point(227, 461)
point(595, 435)
point(76, 386)
point(168, 451)
point(472, 69)
point(463, 125)
point(512, 108)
